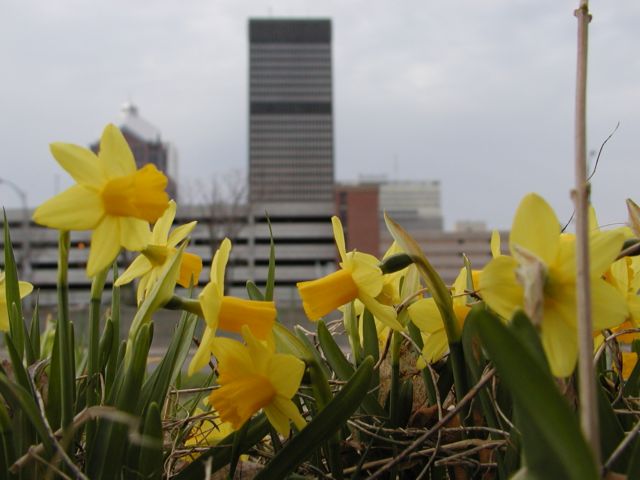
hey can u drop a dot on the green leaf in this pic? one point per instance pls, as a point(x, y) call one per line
point(271, 273)
point(313, 357)
point(157, 385)
point(332, 352)
point(107, 456)
point(551, 433)
point(287, 342)
point(254, 292)
point(634, 465)
point(353, 332)
point(7, 447)
point(12, 292)
point(34, 330)
point(53, 406)
point(151, 459)
point(611, 432)
point(371, 343)
point(110, 371)
point(22, 400)
point(106, 342)
point(322, 427)
point(65, 344)
point(476, 364)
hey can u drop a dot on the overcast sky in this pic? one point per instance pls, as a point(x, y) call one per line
point(476, 94)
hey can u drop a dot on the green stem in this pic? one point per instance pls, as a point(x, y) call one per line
point(67, 372)
point(186, 304)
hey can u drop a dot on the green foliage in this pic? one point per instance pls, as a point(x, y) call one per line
point(491, 406)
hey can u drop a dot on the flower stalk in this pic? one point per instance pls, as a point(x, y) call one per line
point(67, 373)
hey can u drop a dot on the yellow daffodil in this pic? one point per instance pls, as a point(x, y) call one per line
point(154, 256)
point(25, 289)
point(254, 377)
point(425, 314)
point(360, 277)
point(228, 313)
point(111, 197)
point(540, 278)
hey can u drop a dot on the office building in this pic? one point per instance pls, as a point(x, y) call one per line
point(290, 111)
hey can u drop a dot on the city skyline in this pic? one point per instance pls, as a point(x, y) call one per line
point(479, 97)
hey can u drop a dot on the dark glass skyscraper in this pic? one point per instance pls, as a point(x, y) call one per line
point(291, 114)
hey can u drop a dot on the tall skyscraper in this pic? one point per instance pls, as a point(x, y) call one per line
point(291, 114)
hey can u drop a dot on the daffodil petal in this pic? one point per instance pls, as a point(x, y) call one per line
point(435, 346)
point(604, 248)
point(536, 228)
point(280, 411)
point(620, 272)
point(608, 306)
point(499, 287)
point(203, 354)
point(258, 352)
point(144, 285)
point(180, 233)
point(139, 267)
point(564, 267)
point(232, 357)
point(219, 263)
point(25, 288)
point(4, 317)
point(285, 373)
point(134, 233)
point(496, 248)
point(105, 245)
point(163, 225)
point(82, 164)
point(365, 272)
point(559, 340)
point(115, 155)
point(393, 249)
point(77, 208)
point(425, 315)
point(338, 234)
point(210, 302)
point(384, 313)
point(460, 283)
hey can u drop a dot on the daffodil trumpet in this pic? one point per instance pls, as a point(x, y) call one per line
point(360, 277)
point(226, 312)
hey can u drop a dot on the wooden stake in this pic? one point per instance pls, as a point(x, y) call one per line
point(587, 387)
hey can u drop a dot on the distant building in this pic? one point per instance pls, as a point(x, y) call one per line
point(413, 204)
point(290, 111)
point(147, 146)
point(357, 207)
point(470, 226)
